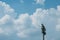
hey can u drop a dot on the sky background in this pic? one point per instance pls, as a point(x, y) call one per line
point(22, 19)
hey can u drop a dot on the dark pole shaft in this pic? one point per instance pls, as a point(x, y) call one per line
point(43, 36)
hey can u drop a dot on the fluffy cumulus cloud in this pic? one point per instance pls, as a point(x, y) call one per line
point(28, 26)
point(38, 16)
point(58, 24)
point(6, 9)
point(40, 1)
point(21, 1)
point(7, 14)
point(58, 18)
point(22, 26)
point(1, 31)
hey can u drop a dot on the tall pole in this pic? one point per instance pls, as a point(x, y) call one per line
point(43, 30)
point(43, 36)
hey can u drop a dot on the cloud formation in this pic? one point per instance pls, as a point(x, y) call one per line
point(21, 1)
point(10, 25)
point(6, 9)
point(40, 1)
point(28, 25)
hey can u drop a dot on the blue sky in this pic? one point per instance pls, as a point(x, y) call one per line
point(22, 19)
point(28, 5)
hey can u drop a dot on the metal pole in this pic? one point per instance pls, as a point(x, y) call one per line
point(43, 36)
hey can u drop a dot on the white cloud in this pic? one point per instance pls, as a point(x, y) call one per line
point(26, 24)
point(58, 8)
point(21, 1)
point(58, 18)
point(38, 16)
point(58, 27)
point(22, 24)
point(4, 19)
point(58, 24)
point(22, 34)
point(58, 11)
point(1, 31)
point(6, 9)
point(40, 1)
point(6, 25)
point(7, 14)
point(30, 22)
